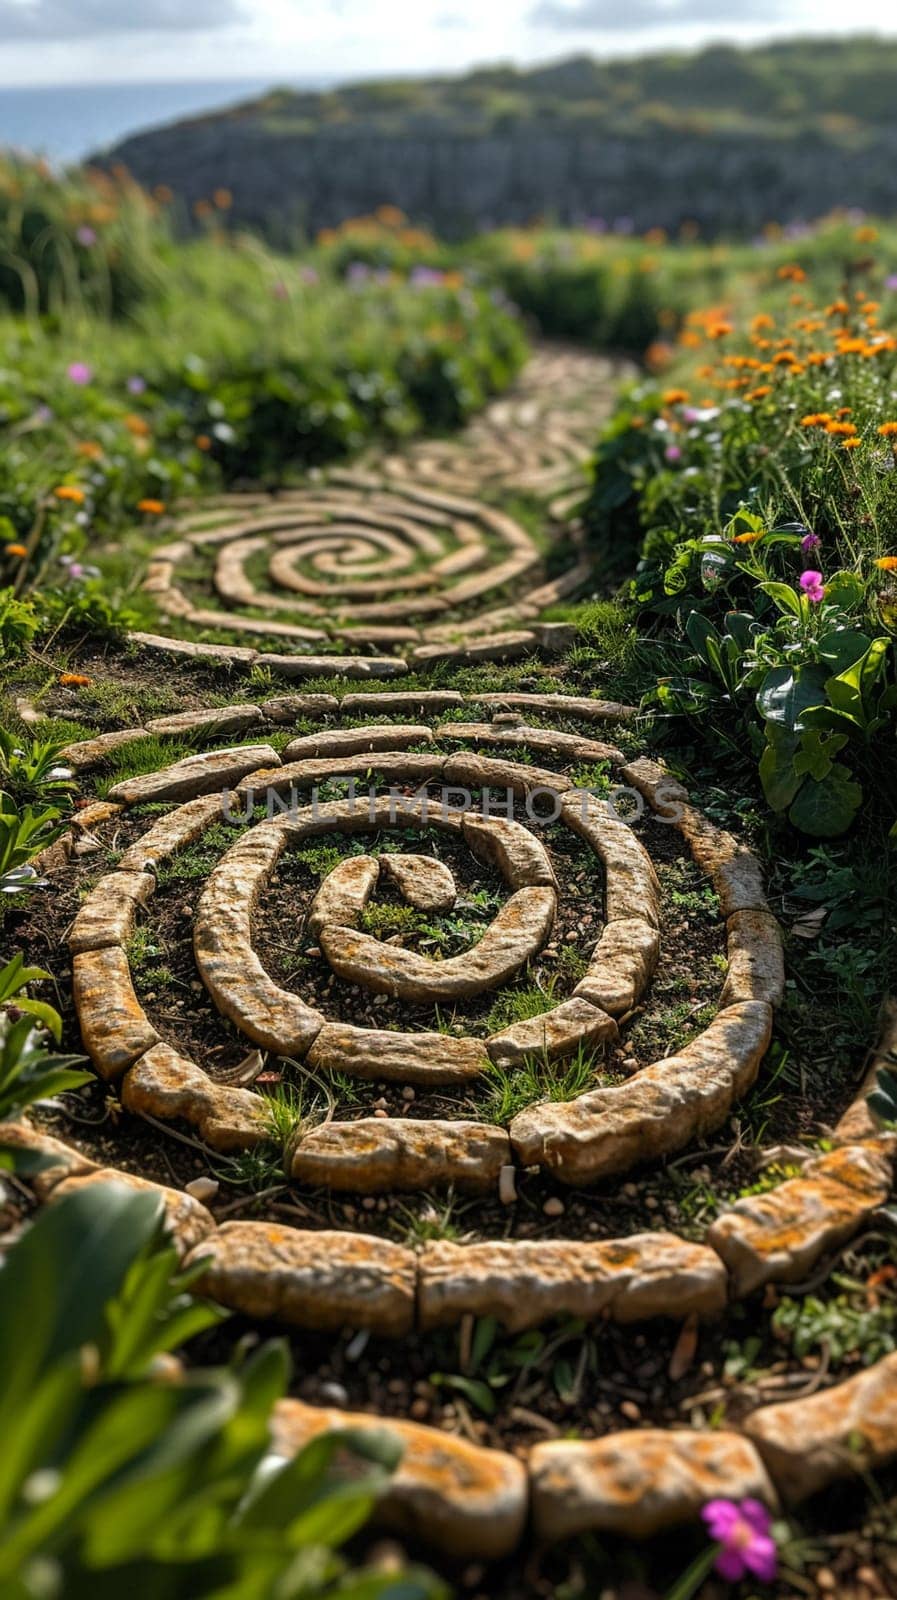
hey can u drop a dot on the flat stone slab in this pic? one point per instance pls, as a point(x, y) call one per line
point(274, 1018)
point(344, 894)
point(735, 872)
point(114, 1025)
point(640, 1482)
point(189, 1221)
point(525, 1283)
point(421, 880)
point(173, 832)
point(572, 1025)
point(379, 1154)
point(165, 1084)
point(434, 1058)
point(322, 1281)
point(498, 647)
point(355, 741)
point(59, 1160)
point(446, 1493)
point(333, 666)
point(215, 720)
point(631, 887)
point(778, 1237)
point(108, 915)
point(621, 966)
point(402, 703)
point(580, 706)
point(222, 654)
point(659, 1110)
point(87, 753)
point(756, 961)
point(547, 741)
point(844, 1432)
point(518, 931)
point(203, 774)
point(284, 708)
point(512, 849)
point(489, 772)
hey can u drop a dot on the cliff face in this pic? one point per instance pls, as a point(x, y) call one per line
point(456, 182)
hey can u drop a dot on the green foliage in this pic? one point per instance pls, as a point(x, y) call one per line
point(32, 769)
point(28, 1071)
point(115, 1480)
point(24, 832)
point(883, 1099)
point(536, 1078)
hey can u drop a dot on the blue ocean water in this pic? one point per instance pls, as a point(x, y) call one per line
point(70, 121)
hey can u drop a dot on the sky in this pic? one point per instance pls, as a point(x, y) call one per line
point(103, 41)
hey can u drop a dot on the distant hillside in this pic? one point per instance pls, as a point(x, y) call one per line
point(727, 137)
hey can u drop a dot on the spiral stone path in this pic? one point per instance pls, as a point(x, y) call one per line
point(392, 908)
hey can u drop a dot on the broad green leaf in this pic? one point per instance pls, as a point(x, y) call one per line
point(783, 596)
point(843, 646)
point(827, 809)
point(777, 772)
point(785, 694)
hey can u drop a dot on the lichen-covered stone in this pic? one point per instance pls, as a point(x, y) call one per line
point(52, 1159)
point(325, 1281)
point(565, 705)
point(356, 741)
point(283, 708)
point(434, 1058)
point(572, 1025)
point(210, 721)
point(756, 962)
point(846, 1431)
point(344, 894)
point(621, 966)
point(777, 1237)
point(657, 1111)
point(203, 774)
point(114, 1025)
point(87, 753)
point(174, 832)
point(108, 915)
point(525, 1283)
point(333, 666)
point(511, 848)
point(225, 654)
point(735, 872)
point(377, 1154)
point(423, 881)
point(631, 887)
point(189, 1222)
point(166, 1085)
point(446, 1493)
point(516, 933)
point(640, 1483)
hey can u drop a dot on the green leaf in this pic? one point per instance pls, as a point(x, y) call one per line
point(783, 596)
point(842, 647)
point(827, 809)
point(778, 776)
point(785, 694)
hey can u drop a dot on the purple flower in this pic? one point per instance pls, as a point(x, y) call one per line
point(308, 275)
point(810, 541)
point(79, 372)
point(673, 452)
point(891, 281)
point(85, 235)
point(812, 585)
point(357, 272)
point(743, 1532)
point(280, 290)
point(136, 385)
point(425, 277)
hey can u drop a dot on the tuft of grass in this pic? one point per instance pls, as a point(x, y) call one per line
point(519, 1005)
point(537, 1078)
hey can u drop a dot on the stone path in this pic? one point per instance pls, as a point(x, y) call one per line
point(414, 791)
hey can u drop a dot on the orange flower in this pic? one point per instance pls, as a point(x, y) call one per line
point(152, 508)
point(68, 491)
point(223, 199)
point(793, 272)
point(844, 411)
point(761, 393)
point(675, 397)
point(202, 208)
point(762, 320)
point(74, 680)
point(202, 441)
point(90, 450)
point(840, 428)
point(718, 330)
point(851, 444)
point(888, 430)
point(886, 563)
point(163, 194)
point(17, 550)
point(866, 235)
point(815, 419)
point(838, 308)
point(746, 538)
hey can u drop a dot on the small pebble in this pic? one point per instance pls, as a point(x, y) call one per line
point(554, 1207)
point(630, 1411)
point(507, 1185)
point(333, 1394)
point(408, 1092)
point(202, 1188)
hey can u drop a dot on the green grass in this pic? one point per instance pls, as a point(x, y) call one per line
point(513, 1089)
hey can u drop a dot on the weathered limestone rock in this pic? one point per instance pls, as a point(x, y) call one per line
point(525, 1283)
point(548, 741)
point(87, 753)
point(664, 793)
point(324, 1281)
point(658, 1110)
point(735, 872)
point(354, 741)
point(778, 1236)
point(556, 1033)
point(289, 707)
point(114, 1025)
point(189, 1221)
point(206, 617)
point(488, 772)
point(334, 666)
point(173, 832)
point(622, 964)
point(207, 773)
point(446, 1493)
point(423, 881)
point(567, 705)
point(272, 1017)
point(517, 931)
point(224, 654)
point(166, 1085)
point(344, 893)
point(434, 1058)
point(109, 913)
point(498, 647)
point(402, 703)
point(386, 766)
point(631, 888)
point(214, 720)
point(62, 1160)
point(756, 962)
point(640, 1482)
point(514, 850)
point(849, 1430)
point(377, 1154)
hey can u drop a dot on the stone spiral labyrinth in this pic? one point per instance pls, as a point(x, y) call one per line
point(424, 937)
point(405, 556)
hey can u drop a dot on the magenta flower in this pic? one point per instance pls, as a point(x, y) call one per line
point(743, 1533)
point(673, 452)
point(812, 585)
point(810, 541)
point(891, 281)
point(79, 372)
point(85, 235)
point(136, 384)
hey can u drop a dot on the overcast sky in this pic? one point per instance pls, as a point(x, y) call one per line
point(83, 41)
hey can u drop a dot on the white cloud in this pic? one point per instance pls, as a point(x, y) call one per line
point(50, 20)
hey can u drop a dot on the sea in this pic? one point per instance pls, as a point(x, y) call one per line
point(67, 122)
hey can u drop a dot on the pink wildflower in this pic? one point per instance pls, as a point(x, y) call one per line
point(744, 1534)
